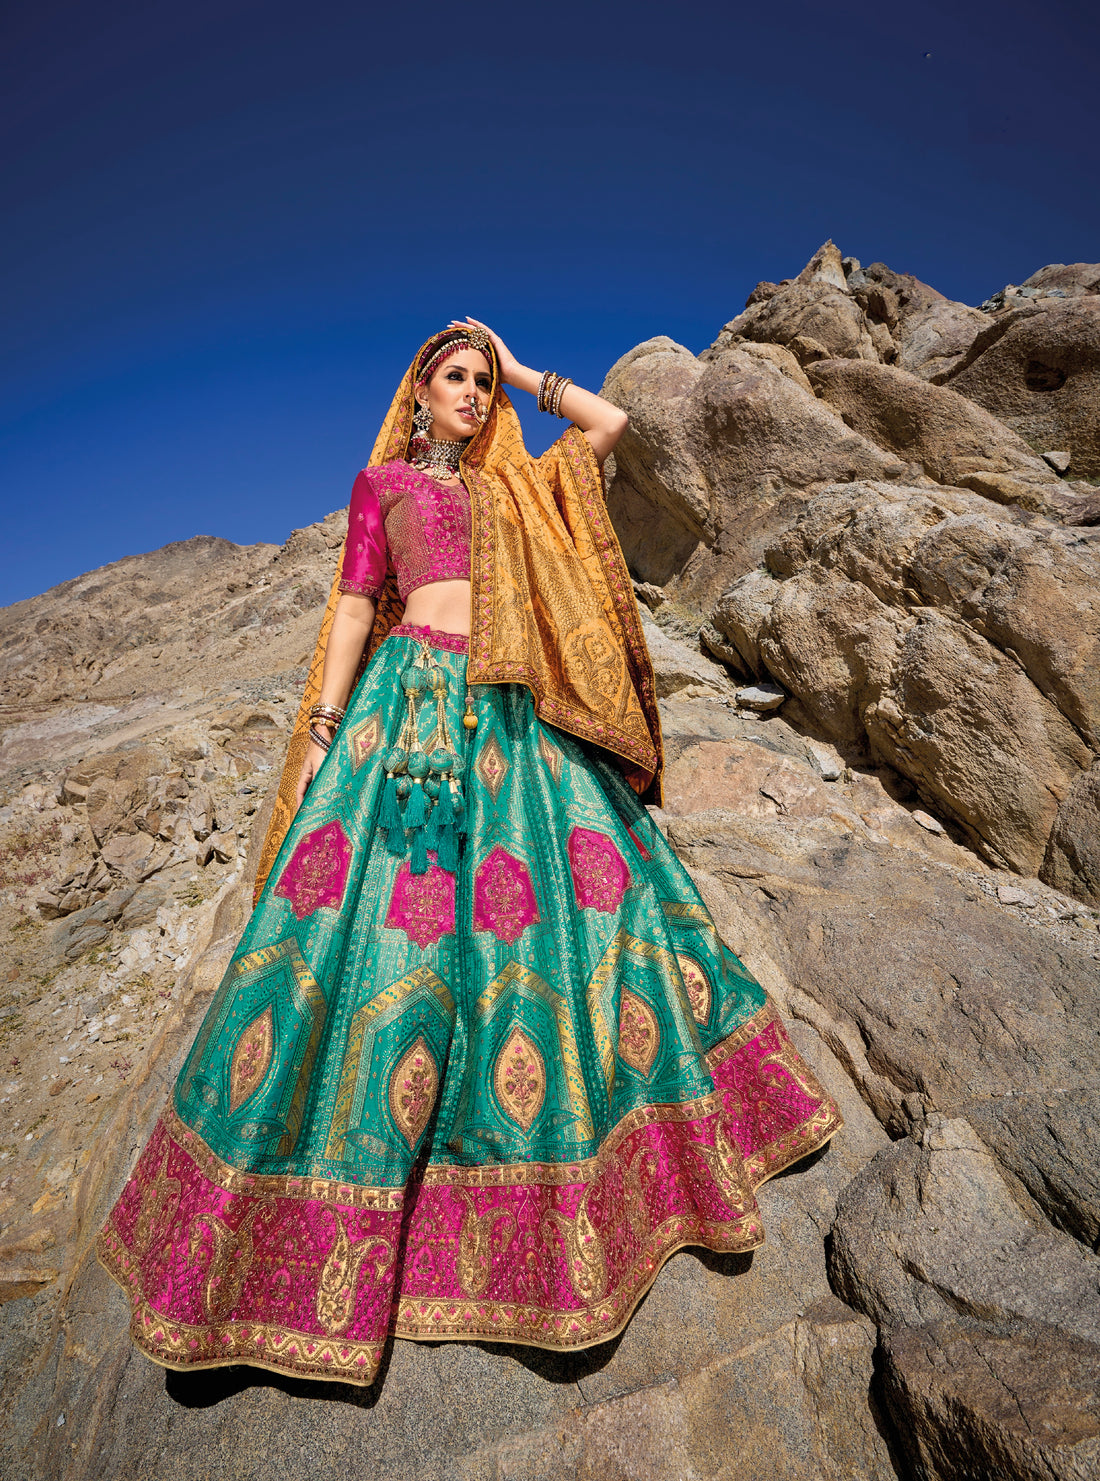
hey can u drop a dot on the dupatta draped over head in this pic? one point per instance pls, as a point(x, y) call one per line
point(552, 602)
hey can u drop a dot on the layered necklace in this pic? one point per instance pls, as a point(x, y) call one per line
point(440, 460)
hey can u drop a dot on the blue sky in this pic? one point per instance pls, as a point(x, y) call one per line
point(228, 226)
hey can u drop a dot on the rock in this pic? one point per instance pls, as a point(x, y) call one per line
point(947, 435)
point(762, 697)
point(934, 339)
point(927, 821)
point(917, 981)
point(779, 358)
point(975, 1399)
point(1059, 461)
point(961, 647)
point(1072, 280)
point(1072, 860)
point(143, 906)
point(717, 457)
point(1038, 370)
point(676, 666)
point(651, 595)
point(822, 318)
point(1051, 1143)
point(1009, 895)
point(134, 855)
point(930, 1229)
point(76, 935)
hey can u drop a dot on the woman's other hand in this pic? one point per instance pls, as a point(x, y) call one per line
point(310, 767)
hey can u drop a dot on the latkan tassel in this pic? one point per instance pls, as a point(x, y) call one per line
point(416, 810)
point(390, 817)
point(446, 847)
point(459, 807)
point(419, 862)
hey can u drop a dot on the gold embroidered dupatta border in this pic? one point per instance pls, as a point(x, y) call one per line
point(552, 602)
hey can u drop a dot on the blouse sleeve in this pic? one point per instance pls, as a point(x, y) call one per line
point(363, 570)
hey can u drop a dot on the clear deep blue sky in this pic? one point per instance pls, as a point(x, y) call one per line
point(227, 226)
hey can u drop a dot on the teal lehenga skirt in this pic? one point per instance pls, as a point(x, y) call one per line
point(485, 1101)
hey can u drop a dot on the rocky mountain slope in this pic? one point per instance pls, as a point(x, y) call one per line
point(862, 527)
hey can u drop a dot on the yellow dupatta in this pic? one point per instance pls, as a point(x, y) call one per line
point(552, 602)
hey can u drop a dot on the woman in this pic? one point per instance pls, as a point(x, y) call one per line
point(480, 1063)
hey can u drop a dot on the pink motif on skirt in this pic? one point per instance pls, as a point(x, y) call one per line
point(317, 871)
point(504, 898)
point(600, 875)
point(423, 905)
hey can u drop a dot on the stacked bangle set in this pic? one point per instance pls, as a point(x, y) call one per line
point(551, 389)
point(322, 714)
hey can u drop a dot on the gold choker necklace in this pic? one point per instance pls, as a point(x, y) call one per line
point(441, 458)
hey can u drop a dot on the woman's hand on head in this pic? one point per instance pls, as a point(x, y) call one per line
point(505, 359)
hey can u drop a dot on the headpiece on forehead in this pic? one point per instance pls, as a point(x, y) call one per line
point(442, 346)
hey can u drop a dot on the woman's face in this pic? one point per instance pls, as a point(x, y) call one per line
point(447, 395)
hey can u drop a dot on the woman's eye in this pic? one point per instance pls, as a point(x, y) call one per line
point(455, 375)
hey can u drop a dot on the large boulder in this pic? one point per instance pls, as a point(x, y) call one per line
point(958, 642)
point(935, 338)
point(947, 435)
point(1037, 368)
point(718, 457)
point(974, 1295)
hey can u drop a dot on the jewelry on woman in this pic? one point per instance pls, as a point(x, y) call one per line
point(318, 739)
point(327, 714)
point(422, 420)
point(441, 459)
point(449, 344)
point(559, 392)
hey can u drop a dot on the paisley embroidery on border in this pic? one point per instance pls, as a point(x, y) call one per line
point(230, 1260)
point(475, 1243)
point(584, 1256)
point(340, 1276)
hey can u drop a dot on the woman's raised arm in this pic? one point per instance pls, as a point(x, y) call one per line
point(602, 423)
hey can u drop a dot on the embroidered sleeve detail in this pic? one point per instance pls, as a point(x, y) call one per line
point(363, 569)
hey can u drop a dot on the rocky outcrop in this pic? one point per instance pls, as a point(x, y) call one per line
point(950, 439)
point(1037, 368)
point(718, 456)
point(959, 646)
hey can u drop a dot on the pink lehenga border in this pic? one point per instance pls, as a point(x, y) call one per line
point(311, 1277)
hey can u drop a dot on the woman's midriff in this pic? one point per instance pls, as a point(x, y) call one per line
point(442, 605)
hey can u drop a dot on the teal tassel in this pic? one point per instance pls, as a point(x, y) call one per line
point(419, 862)
point(391, 819)
point(445, 806)
point(446, 848)
point(416, 812)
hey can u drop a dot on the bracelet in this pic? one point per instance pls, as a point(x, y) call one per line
point(318, 739)
point(329, 714)
point(559, 392)
point(541, 397)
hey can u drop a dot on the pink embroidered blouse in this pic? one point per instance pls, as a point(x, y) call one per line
point(401, 515)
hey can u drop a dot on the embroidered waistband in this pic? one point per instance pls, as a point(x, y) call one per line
point(449, 642)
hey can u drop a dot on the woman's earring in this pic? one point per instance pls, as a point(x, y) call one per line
point(422, 421)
